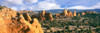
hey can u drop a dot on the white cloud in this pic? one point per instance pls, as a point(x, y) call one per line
point(80, 7)
point(40, 5)
point(14, 8)
point(15, 1)
point(45, 5)
point(96, 6)
point(30, 1)
point(84, 7)
point(22, 8)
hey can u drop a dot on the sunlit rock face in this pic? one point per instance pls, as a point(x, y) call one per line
point(27, 17)
point(7, 12)
point(64, 13)
point(45, 16)
point(26, 11)
point(83, 13)
point(70, 14)
point(13, 22)
point(74, 14)
point(67, 13)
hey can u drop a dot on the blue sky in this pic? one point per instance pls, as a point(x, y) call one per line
point(50, 4)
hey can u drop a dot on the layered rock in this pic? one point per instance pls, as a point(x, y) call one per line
point(45, 16)
point(74, 14)
point(18, 23)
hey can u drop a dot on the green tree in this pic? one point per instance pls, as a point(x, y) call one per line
point(90, 30)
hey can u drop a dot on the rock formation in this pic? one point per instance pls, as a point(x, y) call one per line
point(12, 22)
point(83, 13)
point(74, 13)
point(45, 16)
point(67, 13)
point(7, 12)
point(70, 14)
point(64, 13)
point(42, 16)
point(78, 14)
point(27, 17)
point(57, 15)
point(90, 12)
point(48, 16)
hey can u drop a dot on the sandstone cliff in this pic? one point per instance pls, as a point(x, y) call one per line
point(13, 22)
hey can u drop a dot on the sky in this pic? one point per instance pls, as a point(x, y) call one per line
point(50, 4)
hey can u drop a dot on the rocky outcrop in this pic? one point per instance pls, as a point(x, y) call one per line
point(45, 16)
point(48, 16)
point(7, 13)
point(83, 13)
point(74, 14)
point(67, 13)
point(64, 13)
point(18, 23)
point(90, 12)
point(41, 16)
point(78, 14)
point(27, 17)
point(57, 15)
point(70, 14)
point(26, 11)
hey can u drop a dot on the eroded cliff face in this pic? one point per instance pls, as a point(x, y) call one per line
point(45, 16)
point(13, 22)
